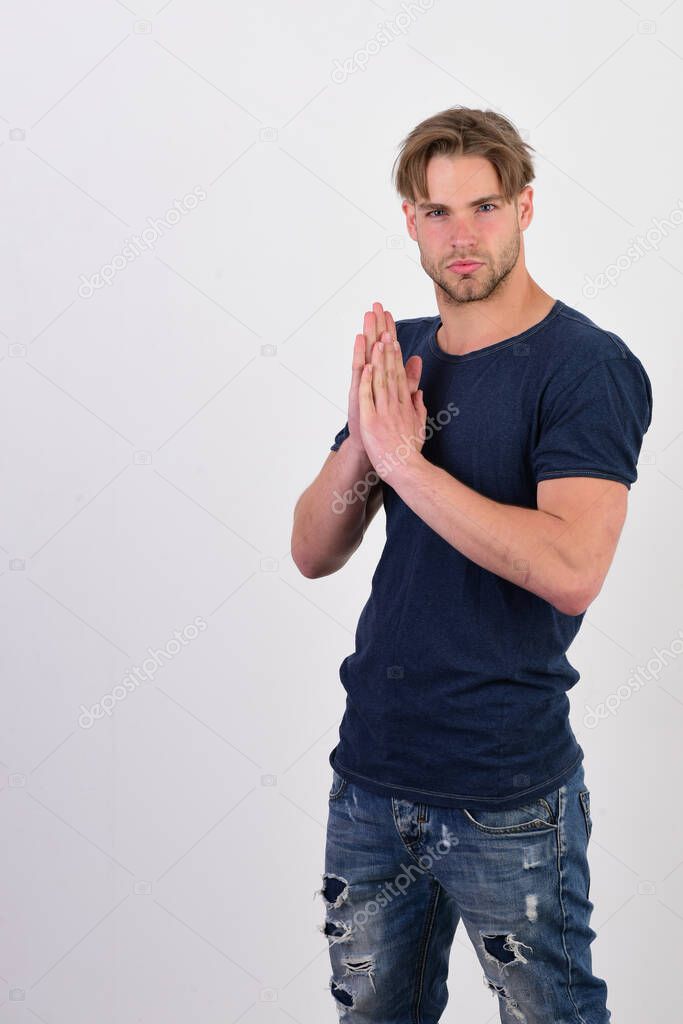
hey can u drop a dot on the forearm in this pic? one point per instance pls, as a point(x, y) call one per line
point(330, 515)
point(529, 547)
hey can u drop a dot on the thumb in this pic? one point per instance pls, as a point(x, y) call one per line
point(418, 401)
point(420, 407)
point(413, 372)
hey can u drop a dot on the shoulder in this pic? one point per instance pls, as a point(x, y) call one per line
point(582, 340)
point(581, 345)
point(590, 365)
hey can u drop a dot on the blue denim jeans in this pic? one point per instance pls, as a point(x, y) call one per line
point(399, 876)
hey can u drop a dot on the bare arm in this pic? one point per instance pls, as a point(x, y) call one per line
point(332, 514)
point(329, 524)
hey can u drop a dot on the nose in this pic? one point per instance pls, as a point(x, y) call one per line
point(462, 236)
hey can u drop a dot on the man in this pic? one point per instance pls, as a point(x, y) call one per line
point(458, 788)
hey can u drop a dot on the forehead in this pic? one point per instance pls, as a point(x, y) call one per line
point(455, 180)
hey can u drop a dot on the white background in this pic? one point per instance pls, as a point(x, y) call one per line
point(160, 866)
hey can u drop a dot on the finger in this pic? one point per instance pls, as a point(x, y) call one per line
point(381, 318)
point(365, 400)
point(357, 364)
point(391, 324)
point(402, 390)
point(358, 361)
point(392, 359)
point(370, 332)
point(379, 382)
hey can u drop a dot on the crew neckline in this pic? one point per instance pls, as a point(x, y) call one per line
point(453, 357)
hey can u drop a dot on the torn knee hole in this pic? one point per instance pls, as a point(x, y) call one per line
point(361, 965)
point(341, 994)
point(511, 1004)
point(504, 949)
point(339, 930)
point(364, 965)
point(496, 989)
point(335, 890)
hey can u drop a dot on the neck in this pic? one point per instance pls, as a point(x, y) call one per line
point(467, 326)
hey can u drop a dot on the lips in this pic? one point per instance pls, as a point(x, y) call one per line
point(464, 266)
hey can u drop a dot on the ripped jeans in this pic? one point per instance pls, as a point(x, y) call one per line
point(400, 875)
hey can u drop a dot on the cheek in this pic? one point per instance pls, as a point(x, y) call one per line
point(494, 238)
point(435, 232)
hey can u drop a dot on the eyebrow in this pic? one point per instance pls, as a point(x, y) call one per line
point(475, 202)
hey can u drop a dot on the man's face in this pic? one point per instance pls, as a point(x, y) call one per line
point(466, 218)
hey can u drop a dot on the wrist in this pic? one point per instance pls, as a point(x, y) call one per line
point(405, 469)
point(358, 452)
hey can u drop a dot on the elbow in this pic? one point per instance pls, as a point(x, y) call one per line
point(304, 567)
point(297, 549)
point(308, 571)
point(297, 555)
point(304, 561)
point(308, 567)
point(570, 606)
point(315, 572)
point(576, 598)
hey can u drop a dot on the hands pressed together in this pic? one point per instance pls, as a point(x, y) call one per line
point(387, 414)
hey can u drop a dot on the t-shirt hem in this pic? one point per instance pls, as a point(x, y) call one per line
point(459, 800)
point(552, 474)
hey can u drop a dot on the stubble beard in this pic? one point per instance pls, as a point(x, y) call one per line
point(474, 289)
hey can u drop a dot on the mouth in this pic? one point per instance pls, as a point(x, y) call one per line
point(464, 266)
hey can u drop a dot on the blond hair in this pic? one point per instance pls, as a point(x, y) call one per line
point(456, 132)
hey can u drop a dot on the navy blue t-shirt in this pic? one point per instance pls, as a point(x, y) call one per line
point(456, 693)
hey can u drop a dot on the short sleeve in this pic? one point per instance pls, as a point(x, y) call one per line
point(593, 424)
point(341, 436)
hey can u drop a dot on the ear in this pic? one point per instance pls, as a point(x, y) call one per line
point(525, 207)
point(409, 211)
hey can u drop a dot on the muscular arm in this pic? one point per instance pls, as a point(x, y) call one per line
point(560, 551)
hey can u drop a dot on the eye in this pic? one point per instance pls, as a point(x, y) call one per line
point(440, 209)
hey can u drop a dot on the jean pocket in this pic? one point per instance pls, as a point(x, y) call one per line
point(585, 798)
point(338, 785)
point(535, 816)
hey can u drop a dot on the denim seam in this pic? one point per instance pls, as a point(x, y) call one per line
point(561, 804)
point(406, 845)
point(530, 827)
point(422, 958)
point(584, 797)
point(337, 792)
